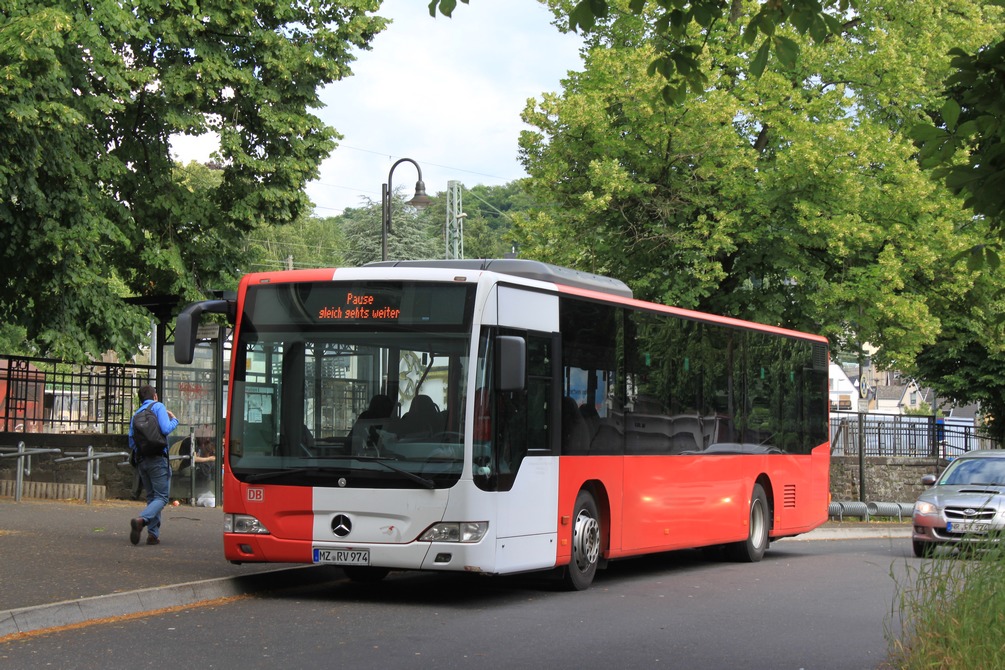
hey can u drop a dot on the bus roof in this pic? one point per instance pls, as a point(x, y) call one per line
point(584, 281)
point(524, 268)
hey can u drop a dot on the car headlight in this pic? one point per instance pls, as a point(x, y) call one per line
point(243, 523)
point(923, 507)
point(463, 531)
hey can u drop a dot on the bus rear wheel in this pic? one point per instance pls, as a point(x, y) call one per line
point(752, 549)
point(585, 543)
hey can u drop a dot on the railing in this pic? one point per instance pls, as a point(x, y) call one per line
point(39, 395)
point(93, 461)
point(907, 436)
point(56, 407)
point(23, 455)
point(839, 510)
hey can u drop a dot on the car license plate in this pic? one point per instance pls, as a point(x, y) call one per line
point(342, 556)
point(964, 527)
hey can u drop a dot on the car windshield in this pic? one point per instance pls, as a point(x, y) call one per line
point(975, 471)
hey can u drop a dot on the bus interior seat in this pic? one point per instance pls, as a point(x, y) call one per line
point(592, 419)
point(575, 434)
point(687, 434)
point(423, 418)
point(682, 442)
point(366, 434)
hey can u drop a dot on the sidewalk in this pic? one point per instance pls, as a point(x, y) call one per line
point(858, 530)
point(67, 562)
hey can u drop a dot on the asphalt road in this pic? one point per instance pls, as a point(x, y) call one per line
point(813, 605)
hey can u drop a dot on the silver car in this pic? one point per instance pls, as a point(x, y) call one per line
point(965, 504)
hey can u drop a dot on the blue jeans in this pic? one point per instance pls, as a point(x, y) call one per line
point(155, 473)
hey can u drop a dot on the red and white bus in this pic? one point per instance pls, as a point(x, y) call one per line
point(505, 416)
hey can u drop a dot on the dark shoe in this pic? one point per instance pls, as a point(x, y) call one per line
point(136, 526)
point(153, 539)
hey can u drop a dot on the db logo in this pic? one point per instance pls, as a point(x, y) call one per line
point(256, 495)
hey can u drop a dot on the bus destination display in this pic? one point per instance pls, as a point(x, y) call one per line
point(358, 303)
point(359, 307)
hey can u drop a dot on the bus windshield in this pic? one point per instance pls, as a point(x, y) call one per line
point(358, 384)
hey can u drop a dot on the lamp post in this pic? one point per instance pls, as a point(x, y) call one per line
point(419, 200)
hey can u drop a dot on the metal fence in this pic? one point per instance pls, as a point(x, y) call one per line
point(39, 395)
point(906, 436)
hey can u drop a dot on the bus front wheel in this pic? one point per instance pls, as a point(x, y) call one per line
point(585, 543)
point(752, 549)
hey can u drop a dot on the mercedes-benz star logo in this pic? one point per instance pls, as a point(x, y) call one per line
point(341, 525)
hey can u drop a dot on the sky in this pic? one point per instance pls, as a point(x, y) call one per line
point(445, 92)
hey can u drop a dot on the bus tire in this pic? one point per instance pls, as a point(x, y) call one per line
point(365, 574)
point(752, 549)
point(585, 543)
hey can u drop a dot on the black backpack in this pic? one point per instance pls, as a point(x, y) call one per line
point(147, 435)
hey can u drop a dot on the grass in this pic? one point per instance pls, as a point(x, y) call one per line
point(951, 611)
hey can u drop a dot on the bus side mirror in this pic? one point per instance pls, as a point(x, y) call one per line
point(187, 326)
point(511, 363)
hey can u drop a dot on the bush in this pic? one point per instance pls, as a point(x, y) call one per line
point(951, 612)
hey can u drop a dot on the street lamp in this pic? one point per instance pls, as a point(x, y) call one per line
point(419, 200)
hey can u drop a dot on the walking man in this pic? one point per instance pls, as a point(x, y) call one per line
point(154, 469)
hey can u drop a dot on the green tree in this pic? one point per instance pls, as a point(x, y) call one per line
point(681, 29)
point(792, 199)
point(92, 206)
point(964, 140)
point(967, 362)
point(491, 211)
point(309, 242)
point(415, 234)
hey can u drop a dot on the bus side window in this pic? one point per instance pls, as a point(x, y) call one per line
point(522, 416)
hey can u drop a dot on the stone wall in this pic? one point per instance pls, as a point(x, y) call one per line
point(51, 490)
point(887, 479)
point(114, 480)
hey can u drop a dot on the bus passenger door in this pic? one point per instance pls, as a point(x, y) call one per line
point(527, 518)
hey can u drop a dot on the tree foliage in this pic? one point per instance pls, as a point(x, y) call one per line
point(964, 140)
point(91, 203)
point(308, 242)
point(966, 363)
point(415, 234)
point(793, 198)
point(490, 215)
point(681, 29)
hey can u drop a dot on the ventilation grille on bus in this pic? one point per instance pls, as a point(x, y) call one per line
point(789, 496)
point(820, 358)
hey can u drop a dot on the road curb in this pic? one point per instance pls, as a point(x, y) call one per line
point(856, 533)
point(72, 612)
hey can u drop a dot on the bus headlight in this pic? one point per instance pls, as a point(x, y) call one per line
point(463, 531)
point(243, 523)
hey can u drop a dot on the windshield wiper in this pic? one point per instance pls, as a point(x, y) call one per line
point(272, 474)
point(428, 483)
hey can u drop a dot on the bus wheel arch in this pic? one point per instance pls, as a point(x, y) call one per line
point(599, 492)
point(751, 550)
point(590, 531)
point(769, 491)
